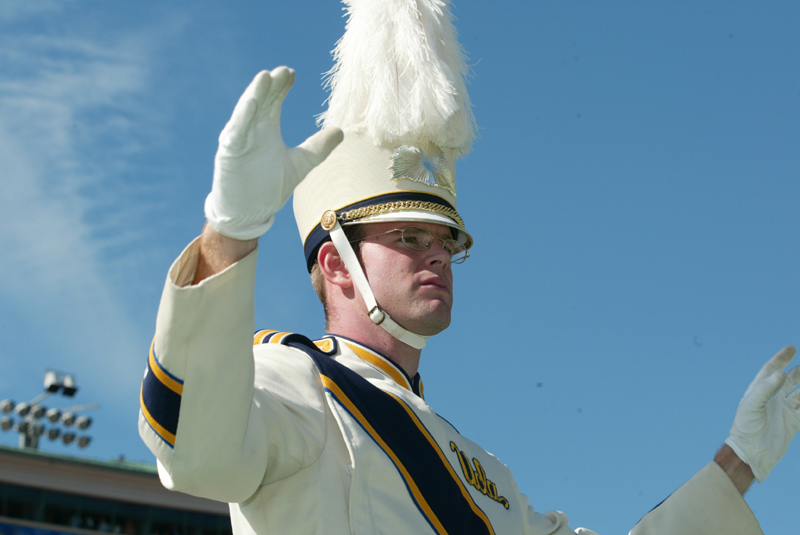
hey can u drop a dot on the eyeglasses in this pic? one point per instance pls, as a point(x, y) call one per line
point(420, 239)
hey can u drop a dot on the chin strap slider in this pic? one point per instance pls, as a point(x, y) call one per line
point(377, 315)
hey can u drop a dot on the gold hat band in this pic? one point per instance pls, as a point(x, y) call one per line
point(397, 206)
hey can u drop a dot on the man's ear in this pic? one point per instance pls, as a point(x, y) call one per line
point(332, 266)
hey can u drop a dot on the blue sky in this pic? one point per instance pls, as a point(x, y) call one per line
point(633, 196)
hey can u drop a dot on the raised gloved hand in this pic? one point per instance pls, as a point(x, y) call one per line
point(254, 171)
point(768, 415)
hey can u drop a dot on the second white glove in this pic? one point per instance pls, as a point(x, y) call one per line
point(768, 415)
point(254, 172)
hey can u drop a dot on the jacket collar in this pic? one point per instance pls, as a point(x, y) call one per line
point(338, 345)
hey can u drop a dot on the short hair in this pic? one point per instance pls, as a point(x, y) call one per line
point(353, 233)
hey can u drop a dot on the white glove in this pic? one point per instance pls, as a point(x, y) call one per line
point(768, 415)
point(254, 171)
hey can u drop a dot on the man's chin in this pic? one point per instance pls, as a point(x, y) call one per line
point(432, 324)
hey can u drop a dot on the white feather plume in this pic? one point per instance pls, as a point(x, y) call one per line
point(399, 76)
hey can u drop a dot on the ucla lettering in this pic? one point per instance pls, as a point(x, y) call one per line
point(476, 476)
point(465, 466)
point(480, 476)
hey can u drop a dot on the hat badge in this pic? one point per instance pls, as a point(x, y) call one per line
point(411, 163)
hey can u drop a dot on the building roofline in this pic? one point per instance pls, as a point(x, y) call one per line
point(124, 481)
point(138, 467)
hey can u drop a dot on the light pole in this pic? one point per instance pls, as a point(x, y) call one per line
point(30, 427)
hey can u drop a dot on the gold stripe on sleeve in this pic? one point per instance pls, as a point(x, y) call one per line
point(157, 427)
point(161, 374)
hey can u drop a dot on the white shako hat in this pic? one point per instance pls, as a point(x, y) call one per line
point(398, 92)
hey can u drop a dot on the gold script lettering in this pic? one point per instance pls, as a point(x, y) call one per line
point(476, 476)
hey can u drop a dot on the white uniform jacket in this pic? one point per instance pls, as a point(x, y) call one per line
point(331, 437)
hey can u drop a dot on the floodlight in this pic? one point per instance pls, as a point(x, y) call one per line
point(6, 423)
point(51, 382)
point(68, 383)
point(31, 424)
point(82, 422)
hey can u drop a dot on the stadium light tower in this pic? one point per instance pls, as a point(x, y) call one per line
point(30, 426)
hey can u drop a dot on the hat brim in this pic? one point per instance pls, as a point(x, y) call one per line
point(417, 216)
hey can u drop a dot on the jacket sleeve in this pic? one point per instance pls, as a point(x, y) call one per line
point(215, 433)
point(707, 504)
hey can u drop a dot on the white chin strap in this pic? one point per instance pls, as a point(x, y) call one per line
point(378, 316)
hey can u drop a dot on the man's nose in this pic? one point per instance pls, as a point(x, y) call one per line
point(438, 253)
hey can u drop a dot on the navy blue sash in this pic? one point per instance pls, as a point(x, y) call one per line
point(431, 481)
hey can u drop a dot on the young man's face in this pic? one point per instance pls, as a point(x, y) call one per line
point(414, 287)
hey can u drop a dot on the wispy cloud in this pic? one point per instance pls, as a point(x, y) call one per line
point(71, 123)
point(14, 10)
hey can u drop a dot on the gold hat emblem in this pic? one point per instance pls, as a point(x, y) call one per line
point(328, 220)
